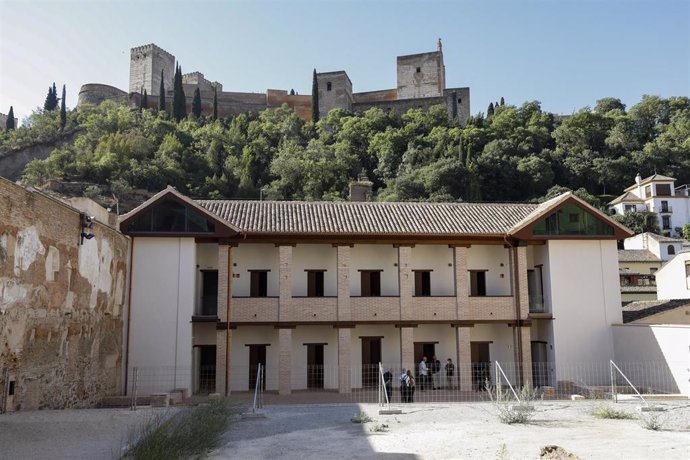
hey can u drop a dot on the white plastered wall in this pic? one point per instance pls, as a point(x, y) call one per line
point(254, 257)
point(490, 258)
point(314, 257)
point(390, 348)
point(302, 335)
point(671, 280)
point(586, 299)
point(239, 367)
point(162, 304)
point(501, 348)
point(439, 259)
point(374, 257)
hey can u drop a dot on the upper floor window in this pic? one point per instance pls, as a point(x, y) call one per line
point(671, 250)
point(314, 283)
point(477, 283)
point(209, 292)
point(329, 86)
point(664, 206)
point(371, 283)
point(648, 191)
point(665, 222)
point(663, 189)
point(630, 208)
point(422, 283)
point(571, 220)
point(171, 216)
point(258, 283)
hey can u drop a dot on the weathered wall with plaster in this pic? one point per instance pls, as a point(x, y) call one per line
point(61, 304)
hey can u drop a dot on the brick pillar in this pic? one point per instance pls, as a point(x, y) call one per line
point(521, 280)
point(406, 282)
point(464, 362)
point(526, 358)
point(224, 333)
point(407, 348)
point(285, 366)
point(344, 360)
point(462, 290)
point(285, 282)
point(344, 309)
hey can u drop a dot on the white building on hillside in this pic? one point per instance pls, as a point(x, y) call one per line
point(663, 247)
point(673, 278)
point(657, 194)
point(321, 292)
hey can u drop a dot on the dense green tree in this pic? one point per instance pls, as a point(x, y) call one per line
point(52, 100)
point(686, 232)
point(314, 98)
point(179, 100)
point(63, 109)
point(608, 104)
point(9, 124)
point(215, 103)
point(196, 103)
point(639, 222)
point(161, 93)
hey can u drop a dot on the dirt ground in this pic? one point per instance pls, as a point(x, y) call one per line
point(454, 431)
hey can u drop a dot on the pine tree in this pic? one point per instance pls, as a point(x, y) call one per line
point(63, 109)
point(196, 103)
point(9, 124)
point(179, 101)
point(314, 99)
point(145, 100)
point(51, 102)
point(490, 110)
point(503, 102)
point(161, 94)
point(215, 103)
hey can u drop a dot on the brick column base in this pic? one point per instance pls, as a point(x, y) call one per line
point(464, 366)
point(407, 348)
point(285, 365)
point(344, 360)
point(526, 358)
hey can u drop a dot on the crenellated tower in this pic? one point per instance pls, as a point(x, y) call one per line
point(145, 65)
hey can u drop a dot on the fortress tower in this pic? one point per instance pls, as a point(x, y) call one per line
point(422, 75)
point(145, 65)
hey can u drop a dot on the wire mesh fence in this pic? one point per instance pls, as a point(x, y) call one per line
point(363, 384)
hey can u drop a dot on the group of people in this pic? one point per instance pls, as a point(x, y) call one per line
point(428, 376)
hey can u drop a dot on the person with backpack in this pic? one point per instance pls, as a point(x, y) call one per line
point(450, 374)
point(404, 385)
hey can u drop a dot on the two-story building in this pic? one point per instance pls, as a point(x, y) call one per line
point(658, 196)
point(321, 292)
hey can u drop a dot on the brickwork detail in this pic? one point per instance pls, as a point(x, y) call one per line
point(491, 308)
point(462, 290)
point(285, 281)
point(464, 362)
point(344, 302)
point(224, 337)
point(406, 280)
point(344, 360)
point(523, 289)
point(285, 366)
point(250, 309)
point(407, 347)
point(526, 358)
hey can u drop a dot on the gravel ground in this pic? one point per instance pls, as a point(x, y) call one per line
point(92, 434)
point(463, 430)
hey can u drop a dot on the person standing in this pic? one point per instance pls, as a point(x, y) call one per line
point(450, 374)
point(388, 382)
point(411, 387)
point(435, 370)
point(404, 385)
point(423, 373)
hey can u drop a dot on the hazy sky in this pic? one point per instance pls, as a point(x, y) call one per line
point(566, 54)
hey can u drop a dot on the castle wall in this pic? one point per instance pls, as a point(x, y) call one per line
point(335, 91)
point(95, 93)
point(146, 63)
point(61, 304)
point(3, 121)
point(375, 96)
point(421, 75)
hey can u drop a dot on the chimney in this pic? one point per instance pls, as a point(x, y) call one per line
point(638, 179)
point(361, 189)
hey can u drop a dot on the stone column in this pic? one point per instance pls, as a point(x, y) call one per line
point(285, 283)
point(405, 282)
point(407, 348)
point(462, 290)
point(526, 358)
point(223, 332)
point(344, 360)
point(285, 365)
point(521, 280)
point(464, 363)
point(344, 306)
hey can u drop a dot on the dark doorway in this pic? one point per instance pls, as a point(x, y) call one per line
point(209, 292)
point(477, 283)
point(207, 369)
point(371, 356)
point(481, 364)
point(540, 364)
point(257, 355)
point(314, 365)
point(422, 349)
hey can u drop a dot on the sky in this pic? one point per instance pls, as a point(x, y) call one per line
point(566, 54)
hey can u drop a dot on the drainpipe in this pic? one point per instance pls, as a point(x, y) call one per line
point(227, 320)
point(129, 311)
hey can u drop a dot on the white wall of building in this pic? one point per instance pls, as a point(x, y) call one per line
point(390, 348)
point(314, 257)
point(672, 281)
point(239, 366)
point(494, 259)
point(162, 304)
point(663, 350)
point(302, 335)
point(501, 348)
point(374, 257)
point(439, 259)
point(255, 257)
point(585, 300)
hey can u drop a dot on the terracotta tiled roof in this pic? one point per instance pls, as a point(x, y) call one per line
point(643, 308)
point(372, 218)
point(652, 178)
point(637, 255)
point(665, 239)
point(626, 197)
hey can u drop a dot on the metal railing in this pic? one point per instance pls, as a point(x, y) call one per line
point(614, 392)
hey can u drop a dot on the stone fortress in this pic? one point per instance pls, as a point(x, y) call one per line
point(421, 82)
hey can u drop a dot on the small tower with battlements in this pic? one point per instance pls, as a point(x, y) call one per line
point(145, 65)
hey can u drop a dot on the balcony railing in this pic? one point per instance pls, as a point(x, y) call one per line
point(666, 210)
point(536, 303)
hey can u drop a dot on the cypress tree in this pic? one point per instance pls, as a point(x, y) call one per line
point(63, 109)
point(503, 102)
point(9, 124)
point(292, 92)
point(161, 94)
point(196, 103)
point(314, 99)
point(51, 102)
point(490, 110)
point(145, 100)
point(179, 101)
point(215, 103)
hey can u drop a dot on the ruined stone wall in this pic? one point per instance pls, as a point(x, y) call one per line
point(61, 304)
